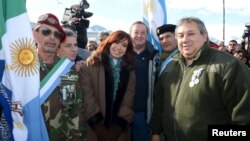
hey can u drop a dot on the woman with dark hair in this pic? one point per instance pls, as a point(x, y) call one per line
point(109, 87)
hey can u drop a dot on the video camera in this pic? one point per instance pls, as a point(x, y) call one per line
point(81, 24)
point(77, 11)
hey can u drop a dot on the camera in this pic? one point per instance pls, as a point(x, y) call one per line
point(78, 12)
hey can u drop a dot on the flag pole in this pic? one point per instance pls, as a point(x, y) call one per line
point(223, 22)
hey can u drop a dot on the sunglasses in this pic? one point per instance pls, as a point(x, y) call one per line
point(47, 32)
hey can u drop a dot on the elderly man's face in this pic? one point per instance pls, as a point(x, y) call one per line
point(190, 40)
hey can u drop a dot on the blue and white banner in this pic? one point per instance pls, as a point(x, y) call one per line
point(154, 15)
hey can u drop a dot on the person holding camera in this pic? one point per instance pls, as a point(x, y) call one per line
point(77, 16)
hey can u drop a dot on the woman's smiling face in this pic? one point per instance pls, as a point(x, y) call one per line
point(117, 50)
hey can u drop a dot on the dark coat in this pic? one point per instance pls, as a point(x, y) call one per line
point(213, 90)
point(99, 106)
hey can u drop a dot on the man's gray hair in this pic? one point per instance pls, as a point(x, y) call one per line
point(196, 20)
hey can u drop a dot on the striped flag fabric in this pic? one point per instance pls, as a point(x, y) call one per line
point(53, 79)
point(21, 72)
point(154, 15)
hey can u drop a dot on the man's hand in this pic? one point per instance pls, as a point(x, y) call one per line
point(75, 6)
point(78, 65)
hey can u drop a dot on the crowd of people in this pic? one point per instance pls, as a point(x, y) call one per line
point(241, 51)
point(121, 88)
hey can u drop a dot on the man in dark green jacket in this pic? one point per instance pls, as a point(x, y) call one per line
point(200, 86)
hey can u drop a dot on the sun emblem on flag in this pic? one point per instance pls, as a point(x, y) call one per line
point(24, 57)
point(149, 7)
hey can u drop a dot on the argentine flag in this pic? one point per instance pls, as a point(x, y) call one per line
point(21, 71)
point(154, 15)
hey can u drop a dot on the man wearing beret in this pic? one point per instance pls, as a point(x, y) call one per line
point(48, 35)
point(166, 35)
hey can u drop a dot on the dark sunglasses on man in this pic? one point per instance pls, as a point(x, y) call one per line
point(47, 32)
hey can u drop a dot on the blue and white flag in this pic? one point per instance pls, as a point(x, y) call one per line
point(53, 79)
point(154, 15)
point(21, 73)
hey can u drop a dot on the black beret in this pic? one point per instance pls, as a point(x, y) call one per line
point(165, 28)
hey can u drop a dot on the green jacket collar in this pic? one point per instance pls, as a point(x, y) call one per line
point(202, 52)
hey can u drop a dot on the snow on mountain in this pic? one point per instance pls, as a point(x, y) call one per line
point(97, 29)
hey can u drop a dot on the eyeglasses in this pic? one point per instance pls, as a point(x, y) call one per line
point(47, 32)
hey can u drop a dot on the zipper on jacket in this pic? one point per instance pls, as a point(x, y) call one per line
point(177, 97)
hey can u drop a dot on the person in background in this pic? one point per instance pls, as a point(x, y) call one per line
point(232, 46)
point(91, 45)
point(68, 48)
point(222, 46)
point(240, 55)
point(201, 86)
point(245, 46)
point(166, 35)
point(109, 89)
point(82, 53)
point(102, 36)
point(145, 71)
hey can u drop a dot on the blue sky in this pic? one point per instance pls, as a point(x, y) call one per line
point(120, 14)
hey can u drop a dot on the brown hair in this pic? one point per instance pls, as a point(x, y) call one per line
point(101, 55)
